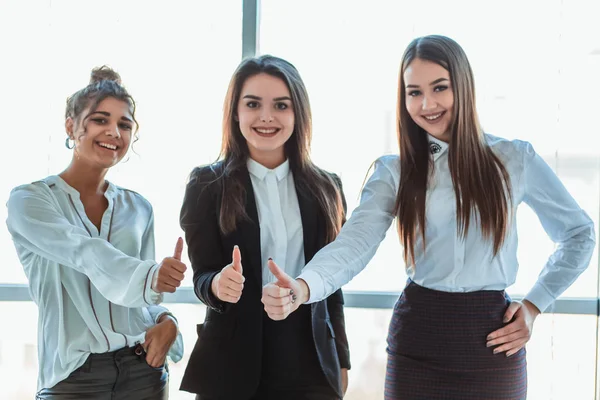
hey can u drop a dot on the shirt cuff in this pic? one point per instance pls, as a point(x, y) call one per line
point(315, 285)
point(209, 298)
point(170, 314)
point(150, 296)
point(540, 297)
point(175, 353)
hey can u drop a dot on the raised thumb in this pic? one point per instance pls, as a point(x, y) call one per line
point(283, 279)
point(237, 259)
point(178, 249)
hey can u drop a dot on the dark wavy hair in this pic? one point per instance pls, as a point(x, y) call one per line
point(234, 151)
point(104, 83)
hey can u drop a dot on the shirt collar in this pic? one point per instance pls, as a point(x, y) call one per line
point(60, 182)
point(260, 171)
point(436, 147)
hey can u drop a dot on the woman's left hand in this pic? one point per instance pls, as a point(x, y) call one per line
point(159, 340)
point(517, 333)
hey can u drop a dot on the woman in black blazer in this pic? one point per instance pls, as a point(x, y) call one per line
point(264, 199)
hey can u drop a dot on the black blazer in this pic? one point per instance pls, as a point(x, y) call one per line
point(226, 360)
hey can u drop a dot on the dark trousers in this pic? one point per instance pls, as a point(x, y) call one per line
point(287, 395)
point(291, 368)
point(118, 375)
point(306, 394)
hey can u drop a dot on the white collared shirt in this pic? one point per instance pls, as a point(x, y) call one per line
point(281, 234)
point(449, 262)
point(93, 289)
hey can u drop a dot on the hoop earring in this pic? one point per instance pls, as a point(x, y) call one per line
point(67, 142)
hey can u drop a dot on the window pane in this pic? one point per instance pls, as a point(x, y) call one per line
point(176, 60)
point(536, 89)
point(560, 368)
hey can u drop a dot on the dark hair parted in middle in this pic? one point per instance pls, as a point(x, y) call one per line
point(234, 151)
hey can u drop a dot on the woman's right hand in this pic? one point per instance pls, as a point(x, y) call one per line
point(228, 284)
point(283, 297)
point(169, 274)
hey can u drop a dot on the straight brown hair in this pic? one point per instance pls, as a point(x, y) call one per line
point(481, 183)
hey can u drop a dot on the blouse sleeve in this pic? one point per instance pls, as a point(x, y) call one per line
point(344, 258)
point(37, 224)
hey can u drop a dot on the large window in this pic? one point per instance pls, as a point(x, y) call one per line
point(554, 372)
point(534, 65)
point(532, 84)
point(175, 59)
point(532, 70)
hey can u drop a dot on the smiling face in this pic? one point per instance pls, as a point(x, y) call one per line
point(266, 116)
point(102, 137)
point(429, 97)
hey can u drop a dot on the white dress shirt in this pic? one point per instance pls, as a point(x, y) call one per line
point(92, 288)
point(281, 234)
point(449, 262)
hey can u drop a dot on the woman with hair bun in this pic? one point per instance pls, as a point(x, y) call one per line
point(87, 248)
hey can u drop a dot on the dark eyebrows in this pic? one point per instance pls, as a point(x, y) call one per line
point(107, 114)
point(431, 84)
point(438, 81)
point(253, 97)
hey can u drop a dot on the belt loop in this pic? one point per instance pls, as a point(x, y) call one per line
point(88, 363)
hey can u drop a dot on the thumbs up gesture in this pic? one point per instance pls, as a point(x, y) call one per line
point(284, 296)
point(169, 275)
point(228, 284)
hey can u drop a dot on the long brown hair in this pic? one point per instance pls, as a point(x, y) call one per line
point(234, 150)
point(481, 183)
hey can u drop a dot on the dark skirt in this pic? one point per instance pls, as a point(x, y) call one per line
point(437, 348)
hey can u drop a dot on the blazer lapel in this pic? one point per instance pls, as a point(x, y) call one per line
point(312, 236)
point(308, 213)
point(250, 230)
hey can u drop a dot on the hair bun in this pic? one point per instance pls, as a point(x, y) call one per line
point(104, 73)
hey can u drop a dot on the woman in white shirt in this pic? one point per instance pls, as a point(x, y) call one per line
point(87, 248)
point(264, 199)
point(454, 191)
